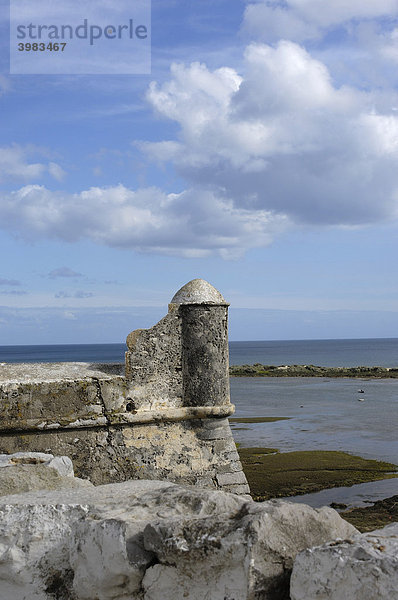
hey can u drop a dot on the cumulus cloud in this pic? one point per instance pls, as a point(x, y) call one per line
point(356, 39)
point(282, 138)
point(15, 164)
point(277, 144)
point(301, 20)
point(193, 223)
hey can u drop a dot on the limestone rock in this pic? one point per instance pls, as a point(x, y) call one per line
point(247, 555)
point(29, 471)
point(25, 458)
point(362, 568)
point(62, 464)
point(151, 540)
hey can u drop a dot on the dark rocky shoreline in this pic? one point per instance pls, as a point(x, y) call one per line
point(368, 518)
point(259, 370)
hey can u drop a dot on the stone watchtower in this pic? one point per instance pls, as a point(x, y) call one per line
point(183, 360)
point(165, 418)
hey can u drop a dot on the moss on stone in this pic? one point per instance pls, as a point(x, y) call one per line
point(381, 513)
point(293, 473)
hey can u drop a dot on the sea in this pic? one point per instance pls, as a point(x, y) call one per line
point(352, 415)
point(328, 353)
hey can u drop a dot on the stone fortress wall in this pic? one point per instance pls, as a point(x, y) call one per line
point(164, 417)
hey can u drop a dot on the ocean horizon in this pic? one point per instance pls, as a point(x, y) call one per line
point(382, 352)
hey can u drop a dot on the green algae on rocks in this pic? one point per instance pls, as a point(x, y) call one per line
point(258, 370)
point(272, 474)
point(368, 518)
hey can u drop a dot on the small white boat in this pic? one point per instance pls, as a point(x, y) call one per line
point(361, 399)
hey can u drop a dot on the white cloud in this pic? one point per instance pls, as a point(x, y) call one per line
point(56, 171)
point(300, 20)
point(192, 223)
point(15, 164)
point(356, 39)
point(160, 151)
point(278, 143)
point(389, 49)
point(282, 138)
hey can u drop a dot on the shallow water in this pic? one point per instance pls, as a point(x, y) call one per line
point(362, 494)
point(325, 414)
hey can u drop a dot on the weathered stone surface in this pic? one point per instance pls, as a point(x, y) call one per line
point(198, 291)
point(150, 540)
point(169, 451)
point(25, 478)
point(183, 360)
point(54, 372)
point(53, 396)
point(62, 464)
point(248, 557)
point(153, 365)
point(205, 355)
point(34, 550)
point(362, 568)
point(29, 471)
point(44, 548)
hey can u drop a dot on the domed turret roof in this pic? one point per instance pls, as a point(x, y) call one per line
point(198, 291)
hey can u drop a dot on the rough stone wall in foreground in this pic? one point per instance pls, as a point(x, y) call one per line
point(151, 540)
point(165, 419)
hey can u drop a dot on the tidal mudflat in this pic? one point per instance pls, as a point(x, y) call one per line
point(316, 434)
point(272, 474)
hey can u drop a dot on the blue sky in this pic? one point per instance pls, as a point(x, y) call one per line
point(260, 154)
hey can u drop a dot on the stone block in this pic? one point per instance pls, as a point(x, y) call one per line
point(236, 478)
point(225, 445)
point(237, 489)
point(362, 568)
point(214, 423)
point(215, 433)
